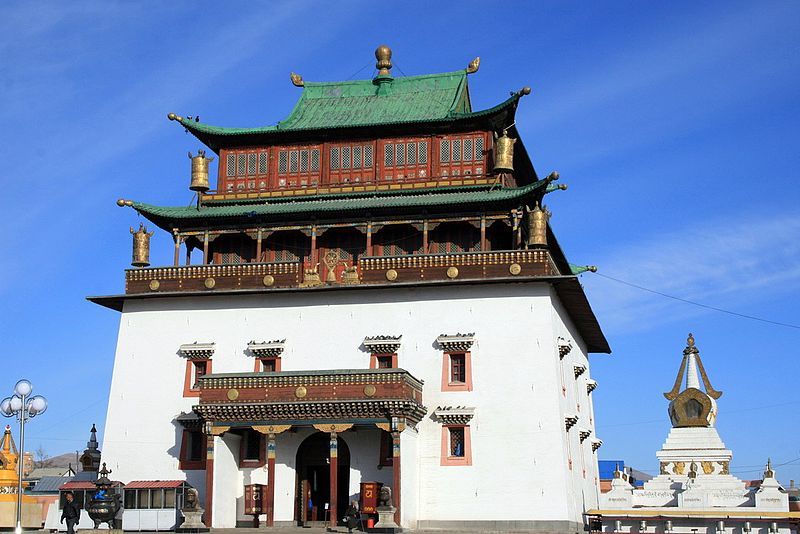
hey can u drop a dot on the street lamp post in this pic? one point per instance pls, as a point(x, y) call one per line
point(24, 406)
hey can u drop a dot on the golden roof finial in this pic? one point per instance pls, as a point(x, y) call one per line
point(769, 473)
point(297, 80)
point(474, 65)
point(384, 56)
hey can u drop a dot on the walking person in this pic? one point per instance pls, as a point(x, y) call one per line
point(352, 516)
point(71, 513)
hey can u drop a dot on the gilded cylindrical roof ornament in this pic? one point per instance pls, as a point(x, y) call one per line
point(141, 246)
point(537, 225)
point(503, 153)
point(200, 165)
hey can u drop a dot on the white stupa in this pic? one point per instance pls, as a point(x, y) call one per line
point(695, 491)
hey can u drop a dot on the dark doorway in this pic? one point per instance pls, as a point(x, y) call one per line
point(313, 479)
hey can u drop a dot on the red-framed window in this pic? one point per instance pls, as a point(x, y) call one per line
point(268, 364)
point(457, 371)
point(386, 454)
point(351, 162)
point(195, 369)
point(404, 159)
point(383, 361)
point(296, 166)
point(252, 449)
point(246, 169)
point(462, 154)
point(456, 445)
point(193, 450)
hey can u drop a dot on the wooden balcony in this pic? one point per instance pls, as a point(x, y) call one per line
point(370, 270)
point(343, 395)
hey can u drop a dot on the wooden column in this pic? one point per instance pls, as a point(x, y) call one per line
point(396, 474)
point(483, 233)
point(209, 479)
point(334, 471)
point(258, 246)
point(425, 236)
point(270, 480)
point(205, 248)
point(369, 239)
point(177, 238)
point(313, 246)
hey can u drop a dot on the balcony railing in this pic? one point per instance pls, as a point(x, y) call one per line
point(368, 270)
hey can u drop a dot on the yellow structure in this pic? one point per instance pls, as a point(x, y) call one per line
point(9, 480)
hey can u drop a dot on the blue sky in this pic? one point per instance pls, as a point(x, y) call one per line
point(674, 124)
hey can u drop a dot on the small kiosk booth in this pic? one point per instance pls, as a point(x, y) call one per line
point(153, 505)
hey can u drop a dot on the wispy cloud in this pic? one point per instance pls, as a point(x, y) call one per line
point(725, 263)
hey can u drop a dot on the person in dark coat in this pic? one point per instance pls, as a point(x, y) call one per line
point(71, 513)
point(351, 516)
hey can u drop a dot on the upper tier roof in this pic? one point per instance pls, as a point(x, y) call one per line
point(326, 108)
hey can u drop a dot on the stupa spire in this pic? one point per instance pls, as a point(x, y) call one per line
point(692, 406)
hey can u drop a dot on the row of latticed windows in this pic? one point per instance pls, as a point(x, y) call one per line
point(357, 156)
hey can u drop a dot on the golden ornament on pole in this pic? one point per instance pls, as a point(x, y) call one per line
point(503, 153)
point(200, 171)
point(141, 246)
point(537, 225)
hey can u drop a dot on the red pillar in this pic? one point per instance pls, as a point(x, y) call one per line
point(313, 246)
point(396, 474)
point(483, 233)
point(425, 237)
point(271, 480)
point(209, 479)
point(369, 239)
point(334, 479)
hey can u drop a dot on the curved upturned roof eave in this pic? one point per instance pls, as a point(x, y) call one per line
point(217, 137)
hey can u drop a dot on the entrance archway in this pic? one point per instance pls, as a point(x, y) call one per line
point(313, 478)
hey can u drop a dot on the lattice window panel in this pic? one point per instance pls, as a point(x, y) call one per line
point(294, 157)
point(345, 157)
point(478, 148)
point(241, 164)
point(368, 156)
point(444, 150)
point(283, 162)
point(467, 149)
point(456, 149)
point(334, 158)
point(422, 152)
point(388, 155)
point(262, 163)
point(315, 160)
point(230, 165)
point(400, 154)
point(457, 442)
point(357, 157)
point(411, 149)
point(304, 161)
point(251, 164)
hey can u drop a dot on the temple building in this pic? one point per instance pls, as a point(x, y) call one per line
point(695, 491)
point(372, 294)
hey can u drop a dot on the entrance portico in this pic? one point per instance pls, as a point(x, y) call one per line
point(349, 419)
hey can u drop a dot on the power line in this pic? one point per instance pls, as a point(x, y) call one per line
point(701, 305)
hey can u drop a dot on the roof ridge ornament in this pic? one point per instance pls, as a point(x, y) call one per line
point(383, 54)
point(297, 80)
point(474, 65)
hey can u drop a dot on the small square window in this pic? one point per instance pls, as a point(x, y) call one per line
point(200, 369)
point(458, 368)
point(384, 361)
point(456, 441)
point(268, 365)
point(251, 449)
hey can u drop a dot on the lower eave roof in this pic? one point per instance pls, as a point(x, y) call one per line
point(287, 208)
point(568, 289)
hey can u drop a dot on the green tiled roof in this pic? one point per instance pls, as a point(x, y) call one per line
point(363, 103)
point(169, 217)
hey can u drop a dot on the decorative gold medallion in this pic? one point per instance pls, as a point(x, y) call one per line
point(154, 284)
point(452, 272)
point(233, 394)
point(300, 392)
point(515, 269)
point(369, 390)
point(268, 280)
point(391, 275)
point(210, 283)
